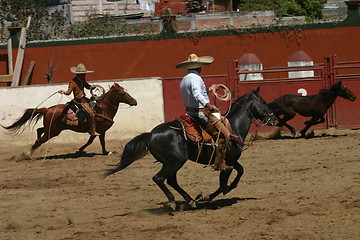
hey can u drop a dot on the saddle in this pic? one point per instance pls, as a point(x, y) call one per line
point(195, 133)
point(75, 113)
point(192, 129)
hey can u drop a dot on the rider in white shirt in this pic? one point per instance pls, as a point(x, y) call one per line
point(195, 96)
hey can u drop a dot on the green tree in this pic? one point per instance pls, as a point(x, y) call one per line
point(18, 11)
point(311, 9)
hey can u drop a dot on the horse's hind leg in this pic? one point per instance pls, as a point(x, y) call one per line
point(40, 131)
point(169, 172)
point(44, 138)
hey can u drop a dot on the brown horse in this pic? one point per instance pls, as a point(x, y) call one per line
point(314, 106)
point(53, 123)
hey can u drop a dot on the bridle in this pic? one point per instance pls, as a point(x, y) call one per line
point(265, 120)
point(111, 105)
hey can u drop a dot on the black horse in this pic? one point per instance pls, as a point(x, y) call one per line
point(314, 106)
point(167, 144)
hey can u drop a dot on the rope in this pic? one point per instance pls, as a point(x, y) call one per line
point(223, 97)
point(97, 87)
point(227, 94)
point(51, 121)
point(32, 114)
point(200, 147)
point(252, 140)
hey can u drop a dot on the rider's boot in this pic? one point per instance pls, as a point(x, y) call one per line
point(91, 118)
point(220, 151)
point(92, 126)
point(221, 134)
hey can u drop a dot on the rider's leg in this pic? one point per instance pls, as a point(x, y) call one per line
point(91, 114)
point(218, 129)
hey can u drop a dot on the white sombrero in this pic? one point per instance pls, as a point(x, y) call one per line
point(80, 69)
point(194, 62)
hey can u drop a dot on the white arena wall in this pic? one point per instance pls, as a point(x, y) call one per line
point(128, 122)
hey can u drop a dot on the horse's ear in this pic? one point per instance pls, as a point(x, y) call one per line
point(257, 90)
point(340, 82)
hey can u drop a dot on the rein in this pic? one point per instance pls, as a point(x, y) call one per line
point(106, 102)
point(263, 122)
point(257, 125)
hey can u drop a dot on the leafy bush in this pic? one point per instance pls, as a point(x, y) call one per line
point(45, 25)
point(311, 9)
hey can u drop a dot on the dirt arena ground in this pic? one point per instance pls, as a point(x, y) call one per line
point(291, 189)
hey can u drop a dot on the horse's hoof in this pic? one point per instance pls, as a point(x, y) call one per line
point(107, 153)
point(192, 204)
point(293, 133)
point(171, 205)
point(26, 156)
point(310, 135)
point(200, 198)
point(226, 189)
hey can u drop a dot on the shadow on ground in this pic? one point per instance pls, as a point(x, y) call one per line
point(182, 206)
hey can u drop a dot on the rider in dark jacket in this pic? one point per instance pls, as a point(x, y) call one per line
point(76, 86)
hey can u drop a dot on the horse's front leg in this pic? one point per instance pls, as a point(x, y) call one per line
point(102, 142)
point(313, 121)
point(91, 139)
point(224, 178)
point(283, 122)
point(172, 181)
point(240, 171)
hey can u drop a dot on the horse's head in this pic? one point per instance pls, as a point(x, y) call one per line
point(343, 91)
point(260, 110)
point(122, 95)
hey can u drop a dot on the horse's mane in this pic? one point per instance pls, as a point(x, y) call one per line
point(324, 91)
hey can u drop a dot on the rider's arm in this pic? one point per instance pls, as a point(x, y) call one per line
point(87, 85)
point(70, 88)
point(198, 91)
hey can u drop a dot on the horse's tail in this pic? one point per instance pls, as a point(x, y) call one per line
point(137, 148)
point(30, 114)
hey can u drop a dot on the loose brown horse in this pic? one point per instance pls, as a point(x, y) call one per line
point(53, 124)
point(314, 106)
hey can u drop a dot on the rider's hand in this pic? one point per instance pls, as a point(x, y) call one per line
point(212, 108)
point(61, 91)
point(213, 87)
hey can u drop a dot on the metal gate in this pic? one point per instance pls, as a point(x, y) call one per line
point(343, 114)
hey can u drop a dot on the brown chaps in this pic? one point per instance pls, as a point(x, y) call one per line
point(221, 133)
point(91, 116)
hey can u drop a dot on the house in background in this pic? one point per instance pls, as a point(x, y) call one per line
point(79, 10)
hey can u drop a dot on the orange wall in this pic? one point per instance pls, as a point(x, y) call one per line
point(159, 57)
